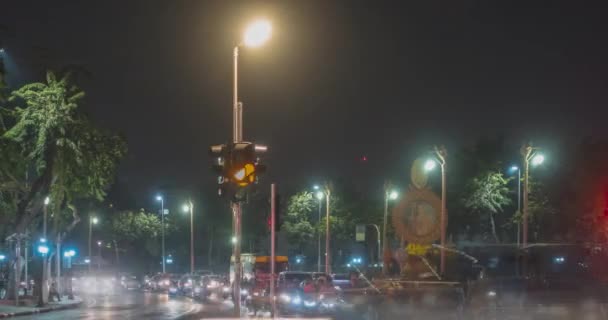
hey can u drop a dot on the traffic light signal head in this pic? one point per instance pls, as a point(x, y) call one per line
point(237, 165)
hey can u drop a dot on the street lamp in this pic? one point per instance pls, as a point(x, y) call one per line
point(513, 169)
point(162, 222)
point(255, 35)
point(440, 154)
point(92, 221)
point(320, 196)
point(189, 207)
point(47, 200)
point(529, 154)
point(389, 194)
point(99, 243)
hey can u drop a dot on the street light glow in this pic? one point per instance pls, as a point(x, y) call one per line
point(257, 33)
point(47, 200)
point(316, 187)
point(538, 159)
point(393, 195)
point(43, 249)
point(514, 168)
point(94, 220)
point(99, 243)
point(429, 165)
point(2, 257)
point(159, 198)
point(319, 195)
point(186, 208)
point(233, 240)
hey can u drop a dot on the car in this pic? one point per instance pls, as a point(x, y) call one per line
point(163, 282)
point(130, 282)
point(187, 282)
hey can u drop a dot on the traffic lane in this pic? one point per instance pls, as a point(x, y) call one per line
point(212, 307)
point(125, 305)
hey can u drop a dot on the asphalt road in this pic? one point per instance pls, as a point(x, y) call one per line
point(135, 305)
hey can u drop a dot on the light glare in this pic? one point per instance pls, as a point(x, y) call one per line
point(429, 165)
point(319, 195)
point(538, 159)
point(393, 195)
point(257, 33)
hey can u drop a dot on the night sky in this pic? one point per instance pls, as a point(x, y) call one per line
point(339, 80)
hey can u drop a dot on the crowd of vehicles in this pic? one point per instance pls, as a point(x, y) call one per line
point(499, 280)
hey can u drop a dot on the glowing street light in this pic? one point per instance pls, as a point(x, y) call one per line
point(389, 194)
point(162, 222)
point(2, 257)
point(257, 33)
point(529, 154)
point(189, 207)
point(430, 165)
point(512, 170)
point(233, 240)
point(538, 159)
point(92, 221)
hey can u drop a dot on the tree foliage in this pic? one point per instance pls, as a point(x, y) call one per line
point(299, 225)
point(488, 194)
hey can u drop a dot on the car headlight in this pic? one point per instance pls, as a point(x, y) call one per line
point(244, 291)
point(166, 282)
point(309, 303)
point(491, 294)
point(285, 298)
point(296, 300)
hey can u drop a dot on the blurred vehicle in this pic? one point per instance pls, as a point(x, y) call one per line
point(305, 293)
point(130, 282)
point(163, 282)
point(187, 282)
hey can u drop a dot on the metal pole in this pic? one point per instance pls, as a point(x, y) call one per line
point(443, 217)
point(525, 203)
point(384, 224)
point(191, 237)
point(327, 234)
point(378, 237)
point(90, 235)
point(98, 256)
point(518, 204)
point(236, 126)
point(44, 222)
point(58, 265)
point(273, 192)
point(319, 239)
point(162, 219)
point(236, 207)
point(27, 283)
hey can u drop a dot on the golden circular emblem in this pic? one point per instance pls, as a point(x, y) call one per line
point(417, 217)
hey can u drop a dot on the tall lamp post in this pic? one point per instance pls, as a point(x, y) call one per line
point(189, 207)
point(529, 154)
point(162, 222)
point(440, 157)
point(513, 169)
point(92, 221)
point(388, 195)
point(319, 194)
point(255, 35)
point(327, 233)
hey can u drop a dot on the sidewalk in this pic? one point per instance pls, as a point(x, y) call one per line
point(12, 311)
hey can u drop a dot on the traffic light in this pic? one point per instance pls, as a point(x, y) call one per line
point(237, 165)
